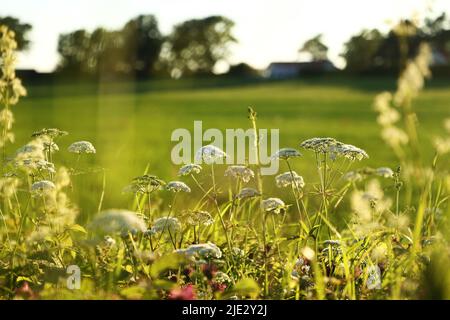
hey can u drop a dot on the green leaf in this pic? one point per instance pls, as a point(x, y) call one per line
point(78, 228)
point(133, 293)
point(23, 278)
point(247, 287)
point(169, 261)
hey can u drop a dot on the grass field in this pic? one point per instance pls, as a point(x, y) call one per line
point(130, 124)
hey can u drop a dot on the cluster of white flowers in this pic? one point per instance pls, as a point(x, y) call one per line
point(144, 184)
point(360, 174)
point(81, 147)
point(210, 154)
point(189, 169)
point(319, 145)
point(289, 179)
point(198, 217)
point(51, 133)
point(177, 186)
point(165, 223)
point(242, 173)
point(274, 205)
point(117, 221)
point(334, 148)
point(248, 193)
point(37, 165)
point(222, 278)
point(202, 251)
point(42, 187)
point(11, 88)
point(348, 151)
point(286, 153)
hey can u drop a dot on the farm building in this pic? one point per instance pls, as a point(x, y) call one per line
point(284, 70)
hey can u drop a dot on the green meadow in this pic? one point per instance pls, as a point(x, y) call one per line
point(131, 123)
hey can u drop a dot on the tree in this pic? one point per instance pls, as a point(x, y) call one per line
point(315, 48)
point(132, 50)
point(359, 51)
point(142, 42)
point(195, 46)
point(20, 29)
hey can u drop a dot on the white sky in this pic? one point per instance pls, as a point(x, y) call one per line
point(267, 30)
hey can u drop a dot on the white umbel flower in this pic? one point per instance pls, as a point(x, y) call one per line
point(81, 147)
point(118, 221)
point(177, 186)
point(210, 154)
point(286, 153)
point(248, 193)
point(242, 173)
point(288, 179)
point(166, 223)
point(384, 172)
point(42, 187)
point(189, 169)
point(273, 205)
point(203, 250)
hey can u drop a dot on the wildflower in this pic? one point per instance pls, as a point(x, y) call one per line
point(6, 119)
point(118, 221)
point(51, 133)
point(32, 150)
point(177, 186)
point(25, 291)
point(144, 184)
point(286, 153)
point(238, 252)
point(273, 205)
point(348, 151)
point(320, 145)
point(166, 223)
point(62, 178)
point(308, 253)
point(379, 253)
point(8, 186)
point(81, 147)
point(373, 278)
point(42, 187)
point(37, 165)
point(109, 242)
point(204, 250)
point(388, 117)
point(289, 179)
point(399, 222)
point(184, 293)
point(248, 193)
point(442, 145)
point(353, 176)
point(199, 217)
point(240, 172)
point(222, 277)
point(210, 154)
point(384, 172)
point(394, 136)
point(383, 101)
point(447, 124)
point(50, 146)
point(189, 169)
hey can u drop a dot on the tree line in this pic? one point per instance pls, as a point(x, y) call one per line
point(194, 47)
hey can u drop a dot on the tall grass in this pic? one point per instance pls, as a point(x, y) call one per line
point(353, 233)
